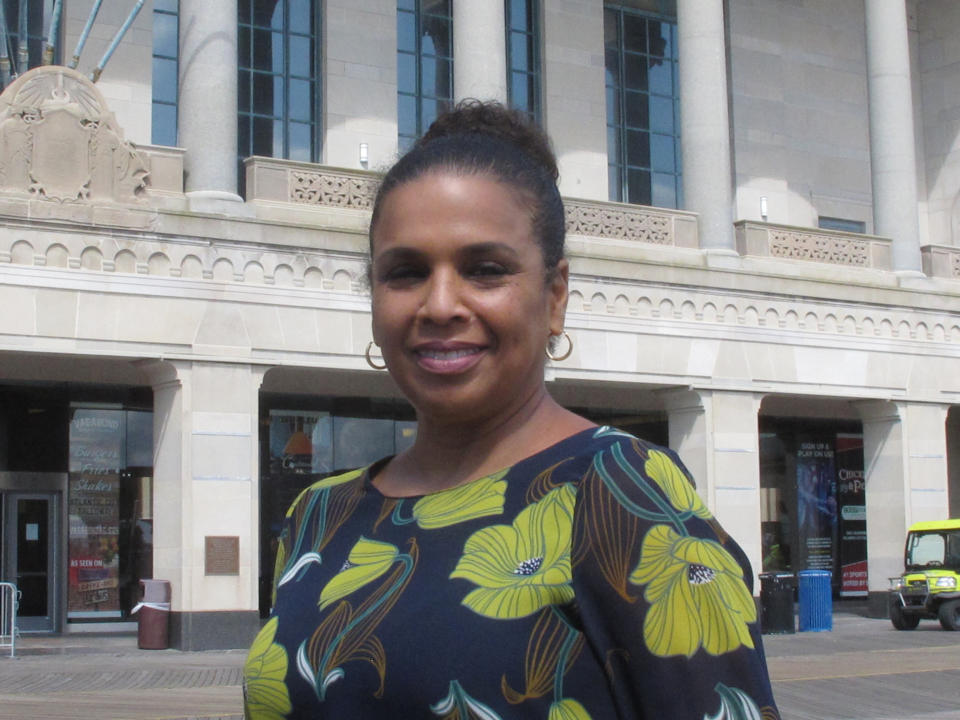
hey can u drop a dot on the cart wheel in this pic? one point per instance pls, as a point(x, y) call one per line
point(902, 621)
point(949, 615)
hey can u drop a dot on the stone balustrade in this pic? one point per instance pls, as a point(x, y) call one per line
point(814, 245)
point(941, 261)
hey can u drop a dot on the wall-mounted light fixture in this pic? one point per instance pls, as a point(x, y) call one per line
point(763, 207)
point(364, 154)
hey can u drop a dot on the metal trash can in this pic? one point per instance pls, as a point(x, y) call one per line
point(153, 615)
point(815, 600)
point(776, 602)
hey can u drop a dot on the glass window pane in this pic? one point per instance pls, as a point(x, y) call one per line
point(262, 136)
point(634, 33)
point(406, 32)
point(611, 38)
point(613, 107)
point(635, 70)
point(519, 59)
point(519, 95)
point(277, 51)
point(262, 94)
point(407, 4)
point(165, 35)
point(172, 5)
point(301, 136)
point(164, 130)
point(662, 153)
point(407, 114)
point(659, 42)
point(301, 20)
point(164, 80)
point(435, 77)
point(244, 147)
point(612, 63)
point(638, 148)
point(262, 51)
point(429, 109)
point(614, 185)
point(661, 114)
point(406, 73)
point(436, 7)
point(637, 115)
point(661, 76)
point(613, 144)
point(263, 12)
point(517, 16)
point(301, 56)
point(244, 48)
point(638, 187)
point(301, 100)
point(664, 190)
point(278, 98)
point(436, 36)
point(243, 90)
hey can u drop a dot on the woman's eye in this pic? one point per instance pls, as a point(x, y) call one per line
point(488, 270)
point(402, 273)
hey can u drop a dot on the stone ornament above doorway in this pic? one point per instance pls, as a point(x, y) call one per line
point(60, 142)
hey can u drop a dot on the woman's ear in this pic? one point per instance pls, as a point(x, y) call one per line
point(558, 290)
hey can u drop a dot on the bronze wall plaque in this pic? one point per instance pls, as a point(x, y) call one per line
point(221, 555)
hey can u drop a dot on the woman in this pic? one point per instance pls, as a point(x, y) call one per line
point(517, 561)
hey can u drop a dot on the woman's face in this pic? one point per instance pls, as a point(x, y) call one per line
point(462, 304)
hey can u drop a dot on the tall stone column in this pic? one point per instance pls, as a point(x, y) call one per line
point(905, 464)
point(207, 105)
point(715, 433)
point(479, 50)
point(206, 499)
point(705, 121)
point(892, 143)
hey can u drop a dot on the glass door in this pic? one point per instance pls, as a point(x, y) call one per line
point(30, 556)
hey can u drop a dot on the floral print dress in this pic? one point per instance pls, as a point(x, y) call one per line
point(587, 581)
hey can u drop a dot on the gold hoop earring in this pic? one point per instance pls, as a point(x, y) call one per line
point(564, 356)
point(370, 346)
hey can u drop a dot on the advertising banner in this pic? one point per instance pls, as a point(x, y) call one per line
point(301, 442)
point(96, 443)
point(816, 505)
point(852, 498)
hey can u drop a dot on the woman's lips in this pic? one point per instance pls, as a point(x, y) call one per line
point(447, 359)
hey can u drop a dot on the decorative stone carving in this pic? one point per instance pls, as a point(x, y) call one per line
point(59, 141)
point(819, 248)
point(622, 222)
point(313, 188)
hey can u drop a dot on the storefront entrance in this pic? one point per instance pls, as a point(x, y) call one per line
point(31, 546)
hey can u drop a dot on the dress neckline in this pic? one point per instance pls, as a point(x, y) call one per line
point(371, 470)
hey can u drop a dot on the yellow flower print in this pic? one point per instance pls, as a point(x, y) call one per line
point(525, 566)
point(264, 673)
point(327, 482)
point(697, 596)
point(477, 499)
point(679, 490)
point(568, 709)
point(368, 560)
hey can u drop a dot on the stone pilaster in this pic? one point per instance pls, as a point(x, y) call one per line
point(479, 50)
point(207, 103)
point(206, 485)
point(892, 145)
point(705, 122)
point(715, 433)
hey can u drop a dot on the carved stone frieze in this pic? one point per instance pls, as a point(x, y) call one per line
point(819, 248)
point(622, 222)
point(60, 142)
point(315, 188)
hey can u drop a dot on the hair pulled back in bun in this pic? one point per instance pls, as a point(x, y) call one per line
point(486, 138)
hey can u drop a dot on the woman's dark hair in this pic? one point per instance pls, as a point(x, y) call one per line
point(486, 138)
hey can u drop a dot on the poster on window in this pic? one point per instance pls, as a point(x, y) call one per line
point(300, 442)
point(96, 444)
point(852, 499)
point(816, 504)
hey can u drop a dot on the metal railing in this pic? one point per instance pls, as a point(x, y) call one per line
point(9, 600)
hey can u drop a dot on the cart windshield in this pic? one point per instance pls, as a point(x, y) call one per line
point(933, 549)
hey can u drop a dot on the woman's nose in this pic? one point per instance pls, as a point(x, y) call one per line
point(443, 302)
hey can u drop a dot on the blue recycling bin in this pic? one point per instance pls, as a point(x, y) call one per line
point(815, 600)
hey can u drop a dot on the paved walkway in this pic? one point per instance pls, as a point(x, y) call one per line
point(861, 670)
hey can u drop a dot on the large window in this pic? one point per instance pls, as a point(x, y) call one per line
point(278, 90)
point(523, 56)
point(643, 125)
point(165, 58)
point(29, 26)
point(424, 65)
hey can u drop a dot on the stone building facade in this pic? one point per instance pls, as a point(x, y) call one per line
point(182, 330)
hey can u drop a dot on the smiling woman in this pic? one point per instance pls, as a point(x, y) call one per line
point(566, 570)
